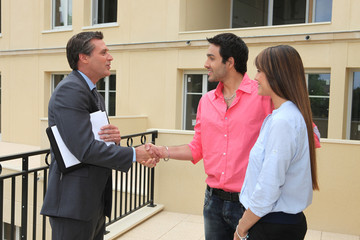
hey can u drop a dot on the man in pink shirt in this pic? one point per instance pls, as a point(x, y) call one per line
point(227, 125)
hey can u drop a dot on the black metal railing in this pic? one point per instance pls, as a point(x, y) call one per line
point(132, 191)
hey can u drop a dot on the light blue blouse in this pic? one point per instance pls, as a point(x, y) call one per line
point(278, 177)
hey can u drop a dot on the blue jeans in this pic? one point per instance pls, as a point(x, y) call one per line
point(220, 217)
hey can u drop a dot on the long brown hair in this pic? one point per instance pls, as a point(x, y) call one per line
point(285, 73)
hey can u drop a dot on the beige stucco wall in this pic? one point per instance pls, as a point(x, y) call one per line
point(180, 185)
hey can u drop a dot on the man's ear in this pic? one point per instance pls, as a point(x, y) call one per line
point(83, 57)
point(231, 62)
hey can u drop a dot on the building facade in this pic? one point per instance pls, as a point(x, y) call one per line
point(159, 50)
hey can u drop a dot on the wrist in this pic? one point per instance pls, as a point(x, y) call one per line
point(166, 153)
point(241, 235)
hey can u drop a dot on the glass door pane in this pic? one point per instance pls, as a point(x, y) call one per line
point(319, 92)
point(193, 93)
point(323, 10)
point(249, 13)
point(289, 12)
point(355, 109)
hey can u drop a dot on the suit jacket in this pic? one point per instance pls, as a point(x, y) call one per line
point(79, 193)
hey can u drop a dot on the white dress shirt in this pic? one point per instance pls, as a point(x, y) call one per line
point(278, 177)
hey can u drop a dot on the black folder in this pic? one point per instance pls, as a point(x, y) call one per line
point(57, 154)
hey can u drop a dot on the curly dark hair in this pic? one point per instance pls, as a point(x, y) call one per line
point(232, 46)
point(80, 43)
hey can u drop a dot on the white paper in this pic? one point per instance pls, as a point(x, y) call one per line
point(98, 119)
point(68, 157)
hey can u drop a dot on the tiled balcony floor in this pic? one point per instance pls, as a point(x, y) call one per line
point(177, 226)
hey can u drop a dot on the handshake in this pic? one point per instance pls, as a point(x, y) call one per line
point(149, 154)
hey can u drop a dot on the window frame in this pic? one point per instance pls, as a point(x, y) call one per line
point(318, 71)
point(68, 3)
point(349, 105)
point(52, 80)
point(0, 19)
point(95, 14)
point(313, 15)
point(107, 92)
point(185, 92)
point(310, 13)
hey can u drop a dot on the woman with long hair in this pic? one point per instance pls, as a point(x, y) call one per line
point(281, 173)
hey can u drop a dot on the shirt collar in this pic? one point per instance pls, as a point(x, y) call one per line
point(88, 81)
point(245, 86)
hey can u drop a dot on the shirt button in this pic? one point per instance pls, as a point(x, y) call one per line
point(222, 173)
point(225, 118)
point(225, 135)
point(224, 154)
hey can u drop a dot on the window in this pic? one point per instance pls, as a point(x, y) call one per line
point(319, 94)
point(195, 85)
point(107, 88)
point(322, 11)
point(252, 13)
point(104, 11)
point(0, 106)
point(55, 79)
point(7, 232)
point(62, 13)
point(0, 17)
point(354, 107)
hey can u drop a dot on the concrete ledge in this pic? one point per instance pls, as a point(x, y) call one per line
point(129, 222)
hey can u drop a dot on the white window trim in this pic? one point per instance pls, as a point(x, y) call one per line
point(107, 91)
point(94, 12)
point(66, 24)
point(52, 83)
point(95, 15)
point(185, 93)
point(314, 12)
point(350, 96)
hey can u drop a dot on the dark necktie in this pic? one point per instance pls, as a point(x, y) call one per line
point(98, 99)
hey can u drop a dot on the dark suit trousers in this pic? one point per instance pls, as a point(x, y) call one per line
point(71, 229)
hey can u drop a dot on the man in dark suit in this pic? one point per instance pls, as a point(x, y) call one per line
point(77, 202)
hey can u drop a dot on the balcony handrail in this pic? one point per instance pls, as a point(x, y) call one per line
point(132, 190)
point(20, 155)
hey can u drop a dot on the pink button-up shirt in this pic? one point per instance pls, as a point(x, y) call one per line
point(224, 137)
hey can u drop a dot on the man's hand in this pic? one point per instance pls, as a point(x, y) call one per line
point(145, 157)
point(156, 151)
point(110, 133)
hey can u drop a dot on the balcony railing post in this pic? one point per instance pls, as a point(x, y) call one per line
point(44, 191)
point(152, 174)
point(1, 204)
point(24, 200)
